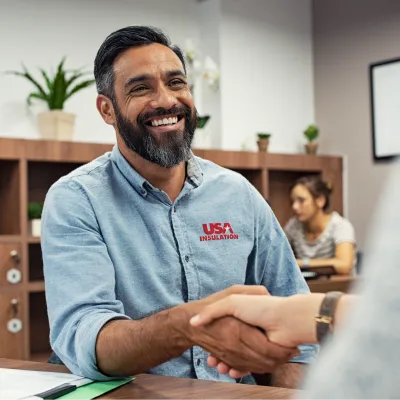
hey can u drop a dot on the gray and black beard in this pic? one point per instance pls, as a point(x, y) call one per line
point(170, 148)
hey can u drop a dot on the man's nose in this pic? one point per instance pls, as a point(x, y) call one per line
point(164, 98)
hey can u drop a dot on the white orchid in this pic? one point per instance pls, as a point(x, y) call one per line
point(197, 69)
point(211, 73)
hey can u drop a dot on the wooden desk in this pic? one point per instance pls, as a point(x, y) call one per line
point(164, 387)
point(335, 283)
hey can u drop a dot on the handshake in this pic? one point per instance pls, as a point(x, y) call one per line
point(245, 330)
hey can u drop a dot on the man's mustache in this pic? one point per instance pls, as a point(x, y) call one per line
point(161, 112)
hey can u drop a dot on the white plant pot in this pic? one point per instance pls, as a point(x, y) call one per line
point(56, 125)
point(35, 227)
point(202, 139)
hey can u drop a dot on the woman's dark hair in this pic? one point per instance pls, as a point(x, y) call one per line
point(120, 41)
point(317, 187)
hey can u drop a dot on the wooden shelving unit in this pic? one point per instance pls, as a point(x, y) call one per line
point(27, 170)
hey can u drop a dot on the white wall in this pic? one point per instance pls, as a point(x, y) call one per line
point(40, 32)
point(267, 72)
point(263, 47)
point(348, 36)
point(209, 21)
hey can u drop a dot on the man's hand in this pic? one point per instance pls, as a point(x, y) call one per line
point(241, 346)
point(236, 343)
point(126, 347)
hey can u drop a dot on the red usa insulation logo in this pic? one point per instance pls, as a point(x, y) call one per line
point(218, 231)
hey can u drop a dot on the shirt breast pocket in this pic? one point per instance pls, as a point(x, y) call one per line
point(221, 256)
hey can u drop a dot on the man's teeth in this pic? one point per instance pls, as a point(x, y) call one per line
point(165, 121)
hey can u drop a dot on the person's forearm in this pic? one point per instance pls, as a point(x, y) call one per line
point(341, 267)
point(127, 348)
point(288, 375)
point(299, 312)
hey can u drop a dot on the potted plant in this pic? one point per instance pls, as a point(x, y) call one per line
point(55, 123)
point(263, 141)
point(202, 121)
point(34, 216)
point(311, 133)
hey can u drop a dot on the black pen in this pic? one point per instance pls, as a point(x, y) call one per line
point(63, 389)
point(57, 391)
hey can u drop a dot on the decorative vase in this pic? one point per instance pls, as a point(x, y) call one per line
point(311, 148)
point(56, 125)
point(263, 145)
point(35, 227)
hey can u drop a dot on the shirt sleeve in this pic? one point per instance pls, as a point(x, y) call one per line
point(79, 277)
point(273, 264)
point(362, 360)
point(344, 232)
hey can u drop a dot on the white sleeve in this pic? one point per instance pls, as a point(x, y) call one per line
point(344, 232)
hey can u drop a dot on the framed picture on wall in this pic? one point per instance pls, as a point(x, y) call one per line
point(384, 79)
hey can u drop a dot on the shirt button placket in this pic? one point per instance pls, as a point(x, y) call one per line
point(184, 249)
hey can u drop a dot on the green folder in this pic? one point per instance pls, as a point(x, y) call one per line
point(95, 389)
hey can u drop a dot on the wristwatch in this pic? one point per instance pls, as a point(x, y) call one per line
point(324, 320)
point(305, 261)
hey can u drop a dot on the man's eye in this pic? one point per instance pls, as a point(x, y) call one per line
point(139, 89)
point(177, 82)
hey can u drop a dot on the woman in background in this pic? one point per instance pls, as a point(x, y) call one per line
point(319, 238)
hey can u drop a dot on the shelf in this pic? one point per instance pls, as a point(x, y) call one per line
point(39, 324)
point(10, 186)
point(33, 239)
point(35, 266)
point(36, 287)
point(28, 168)
point(40, 356)
point(9, 238)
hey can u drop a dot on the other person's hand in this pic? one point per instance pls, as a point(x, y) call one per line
point(236, 343)
point(288, 321)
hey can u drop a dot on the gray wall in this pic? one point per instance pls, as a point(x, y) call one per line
point(348, 36)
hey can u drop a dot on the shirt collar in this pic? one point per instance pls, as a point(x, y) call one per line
point(141, 185)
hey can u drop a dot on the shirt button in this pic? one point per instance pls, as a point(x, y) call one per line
point(174, 208)
point(187, 258)
point(143, 192)
point(198, 362)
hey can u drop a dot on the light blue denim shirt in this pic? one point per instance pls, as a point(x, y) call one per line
point(116, 247)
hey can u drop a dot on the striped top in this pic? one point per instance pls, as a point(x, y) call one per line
point(338, 230)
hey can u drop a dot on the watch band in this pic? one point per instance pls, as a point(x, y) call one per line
point(326, 314)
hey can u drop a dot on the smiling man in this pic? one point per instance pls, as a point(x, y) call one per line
point(141, 239)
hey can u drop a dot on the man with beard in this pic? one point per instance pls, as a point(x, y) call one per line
point(138, 241)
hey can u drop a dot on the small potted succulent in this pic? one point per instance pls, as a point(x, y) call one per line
point(263, 141)
point(34, 216)
point(311, 134)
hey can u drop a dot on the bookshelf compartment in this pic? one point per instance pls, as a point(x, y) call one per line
point(10, 221)
point(39, 325)
point(35, 263)
point(42, 174)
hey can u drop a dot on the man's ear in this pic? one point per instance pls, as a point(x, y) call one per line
point(106, 109)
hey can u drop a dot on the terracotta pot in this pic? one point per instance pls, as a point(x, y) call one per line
point(56, 125)
point(263, 145)
point(311, 148)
